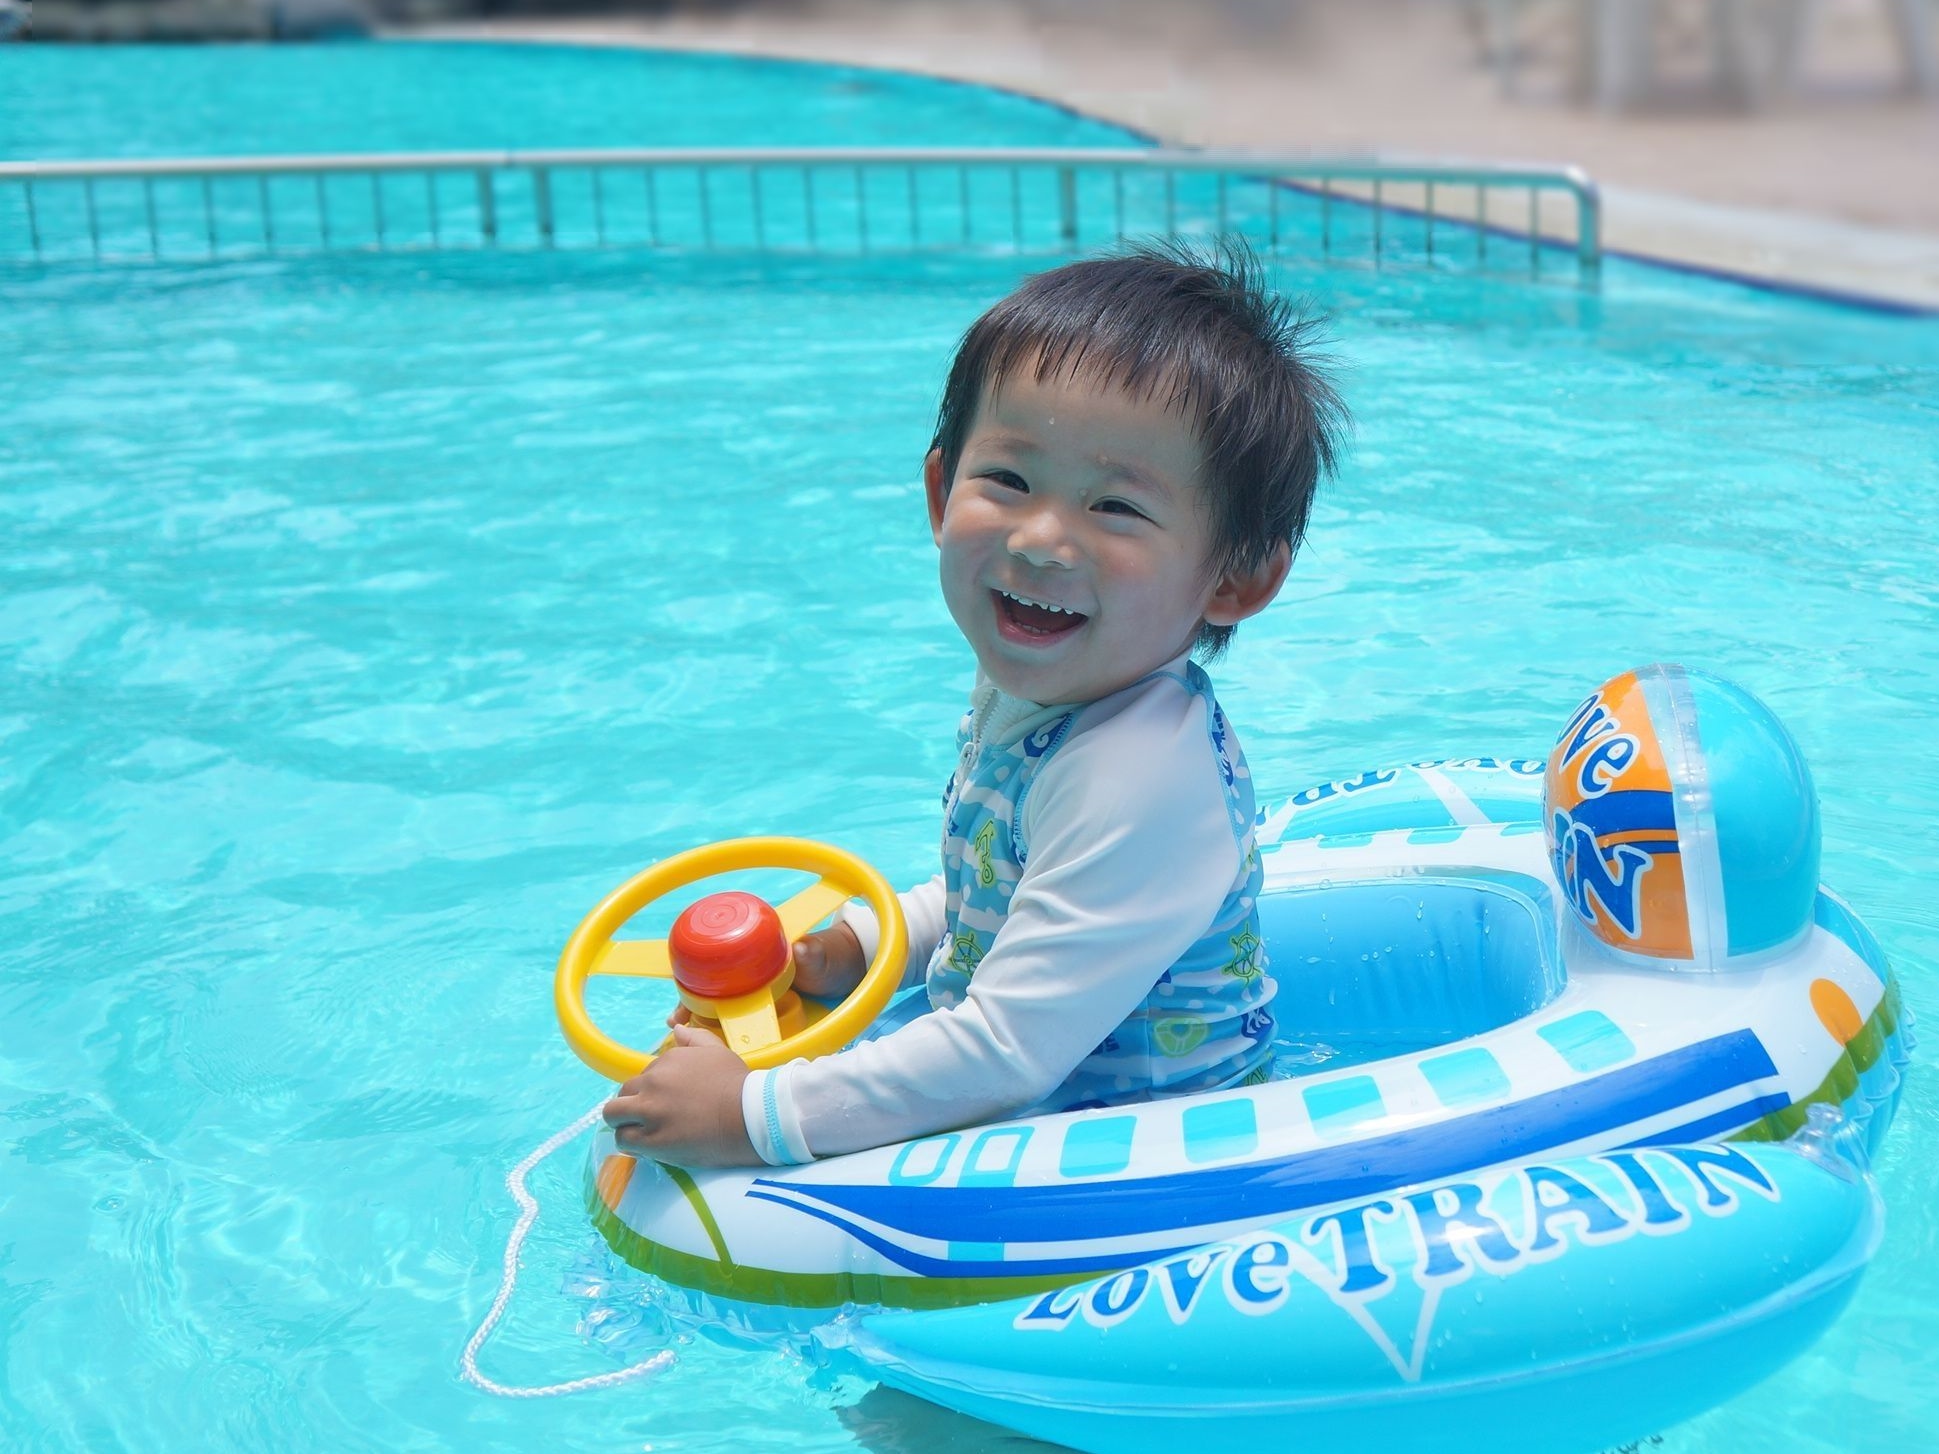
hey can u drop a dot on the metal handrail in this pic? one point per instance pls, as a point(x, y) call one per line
point(1302, 172)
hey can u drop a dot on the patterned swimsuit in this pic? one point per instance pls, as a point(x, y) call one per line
point(1207, 1022)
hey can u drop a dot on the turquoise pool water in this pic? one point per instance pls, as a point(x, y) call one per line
point(362, 620)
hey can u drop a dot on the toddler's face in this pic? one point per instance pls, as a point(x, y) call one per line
point(1074, 545)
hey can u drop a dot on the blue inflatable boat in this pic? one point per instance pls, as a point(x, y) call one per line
point(1573, 1138)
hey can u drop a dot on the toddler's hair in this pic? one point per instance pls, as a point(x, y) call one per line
point(1199, 332)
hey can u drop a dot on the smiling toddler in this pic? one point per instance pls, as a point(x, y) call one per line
point(1123, 466)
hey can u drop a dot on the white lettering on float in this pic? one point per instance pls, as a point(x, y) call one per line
point(1452, 1234)
point(1521, 766)
point(1379, 777)
point(1600, 752)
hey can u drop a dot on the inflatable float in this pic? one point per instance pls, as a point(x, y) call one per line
point(1595, 1070)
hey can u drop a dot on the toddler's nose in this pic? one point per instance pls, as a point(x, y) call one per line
point(1039, 539)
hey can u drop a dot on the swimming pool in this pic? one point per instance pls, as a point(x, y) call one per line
point(366, 618)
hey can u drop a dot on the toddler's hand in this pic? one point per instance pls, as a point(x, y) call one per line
point(828, 963)
point(686, 1106)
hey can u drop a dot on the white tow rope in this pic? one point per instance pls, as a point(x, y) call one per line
point(528, 1213)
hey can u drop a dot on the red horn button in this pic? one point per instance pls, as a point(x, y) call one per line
point(726, 945)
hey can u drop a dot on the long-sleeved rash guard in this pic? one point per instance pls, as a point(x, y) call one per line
point(1093, 937)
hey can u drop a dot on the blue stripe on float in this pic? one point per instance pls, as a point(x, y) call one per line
point(924, 1265)
point(1706, 1126)
point(1143, 1206)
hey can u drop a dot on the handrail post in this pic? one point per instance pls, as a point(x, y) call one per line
point(1067, 207)
point(487, 208)
point(542, 200)
point(1588, 219)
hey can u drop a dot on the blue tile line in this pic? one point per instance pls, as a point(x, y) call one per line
point(974, 1175)
point(1465, 1077)
point(1338, 1107)
point(1220, 1131)
point(1589, 1041)
point(975, 1252)
point(1097, 1148)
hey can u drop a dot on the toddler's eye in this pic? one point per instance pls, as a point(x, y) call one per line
point(1009, 479)
point(1122, 507)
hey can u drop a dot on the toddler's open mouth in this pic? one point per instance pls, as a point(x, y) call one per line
point(1022, 619)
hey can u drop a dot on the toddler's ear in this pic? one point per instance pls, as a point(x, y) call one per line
point(1242, 593)
point(937, 489)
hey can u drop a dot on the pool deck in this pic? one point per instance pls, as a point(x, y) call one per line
point(1834, 192)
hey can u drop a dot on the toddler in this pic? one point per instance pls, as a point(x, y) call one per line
point(1123, 466)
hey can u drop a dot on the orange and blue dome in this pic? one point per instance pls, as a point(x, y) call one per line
point(1681, 820)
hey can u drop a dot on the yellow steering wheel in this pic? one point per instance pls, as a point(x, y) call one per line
point(735, 977)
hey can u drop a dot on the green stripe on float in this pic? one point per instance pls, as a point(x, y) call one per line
point(1841, 1081)
point(700, 1209)
point(770, 1288)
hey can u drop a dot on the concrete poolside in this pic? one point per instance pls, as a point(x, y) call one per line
point(1837, 190)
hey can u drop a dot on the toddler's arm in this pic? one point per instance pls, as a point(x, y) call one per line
point(1129, 862)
